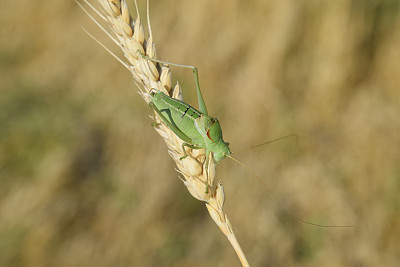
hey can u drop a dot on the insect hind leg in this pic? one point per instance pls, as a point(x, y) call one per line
point(165, 62)
point(202, 105)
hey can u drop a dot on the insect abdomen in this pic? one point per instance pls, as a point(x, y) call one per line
point(179, 113)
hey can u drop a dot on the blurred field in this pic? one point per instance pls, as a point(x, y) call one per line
point(86, 181)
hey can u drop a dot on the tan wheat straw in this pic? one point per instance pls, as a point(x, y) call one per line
point(129, 35)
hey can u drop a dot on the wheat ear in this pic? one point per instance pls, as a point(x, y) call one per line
point(129, 35)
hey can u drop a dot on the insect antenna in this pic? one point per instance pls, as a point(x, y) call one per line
point(268, 142)
point(276, 199)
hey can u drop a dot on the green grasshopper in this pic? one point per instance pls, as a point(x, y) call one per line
point(194, 127)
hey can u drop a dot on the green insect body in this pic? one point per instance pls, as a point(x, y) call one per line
point(195, 128)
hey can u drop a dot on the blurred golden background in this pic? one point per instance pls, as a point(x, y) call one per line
point(86, 181)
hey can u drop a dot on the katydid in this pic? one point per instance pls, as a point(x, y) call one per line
point(195, 128)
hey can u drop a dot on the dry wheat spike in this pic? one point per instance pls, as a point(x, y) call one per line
point(130, 36)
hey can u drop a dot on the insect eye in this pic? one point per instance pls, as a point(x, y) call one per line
point(152, 92)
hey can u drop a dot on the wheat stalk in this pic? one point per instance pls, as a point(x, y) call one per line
point(129, 35)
